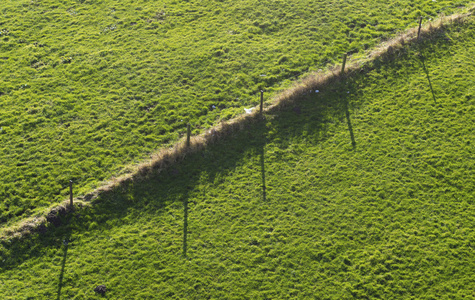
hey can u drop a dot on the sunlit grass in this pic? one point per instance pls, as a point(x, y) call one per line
point(88, 88)
point(388, 215)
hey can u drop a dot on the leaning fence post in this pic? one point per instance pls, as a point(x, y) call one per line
point(344, 63)
point(188, 134)
point(262, 101)
point(419, 30)
point(71, 194)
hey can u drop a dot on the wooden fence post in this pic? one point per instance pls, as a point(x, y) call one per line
point(262, 101)
point(344, 63)
point(419, 30)
point(188, 134)
point(71, 194)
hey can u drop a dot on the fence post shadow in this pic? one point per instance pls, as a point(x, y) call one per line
point(263, 172)
point(185, 225)
point(262, 157)
point(350, 127)
point(186, 196)
point(63, 264)
point(422, 59)
point(345, 103)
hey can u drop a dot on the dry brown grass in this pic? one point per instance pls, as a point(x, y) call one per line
point(164, 158)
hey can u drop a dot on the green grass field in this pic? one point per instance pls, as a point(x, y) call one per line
point(369, 194)
point(89, 88)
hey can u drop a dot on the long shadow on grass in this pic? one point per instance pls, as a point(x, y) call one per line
point(350, 127)
point(263, 172)
point(422, 59)
point(185, 225)
point(262, 141)
point(308, 118)
point(63, 263)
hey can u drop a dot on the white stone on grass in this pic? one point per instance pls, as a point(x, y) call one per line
point(249, 110)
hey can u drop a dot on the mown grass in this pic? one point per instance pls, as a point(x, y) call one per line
point(385, 214)
point(89, 88)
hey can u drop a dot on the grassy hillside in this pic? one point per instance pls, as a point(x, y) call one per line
point(90, 87)
point(369, 193)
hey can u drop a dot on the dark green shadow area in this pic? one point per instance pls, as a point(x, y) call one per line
point(310, 117)
point(151, 196)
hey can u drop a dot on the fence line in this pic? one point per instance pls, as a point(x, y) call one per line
point(166, 157)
